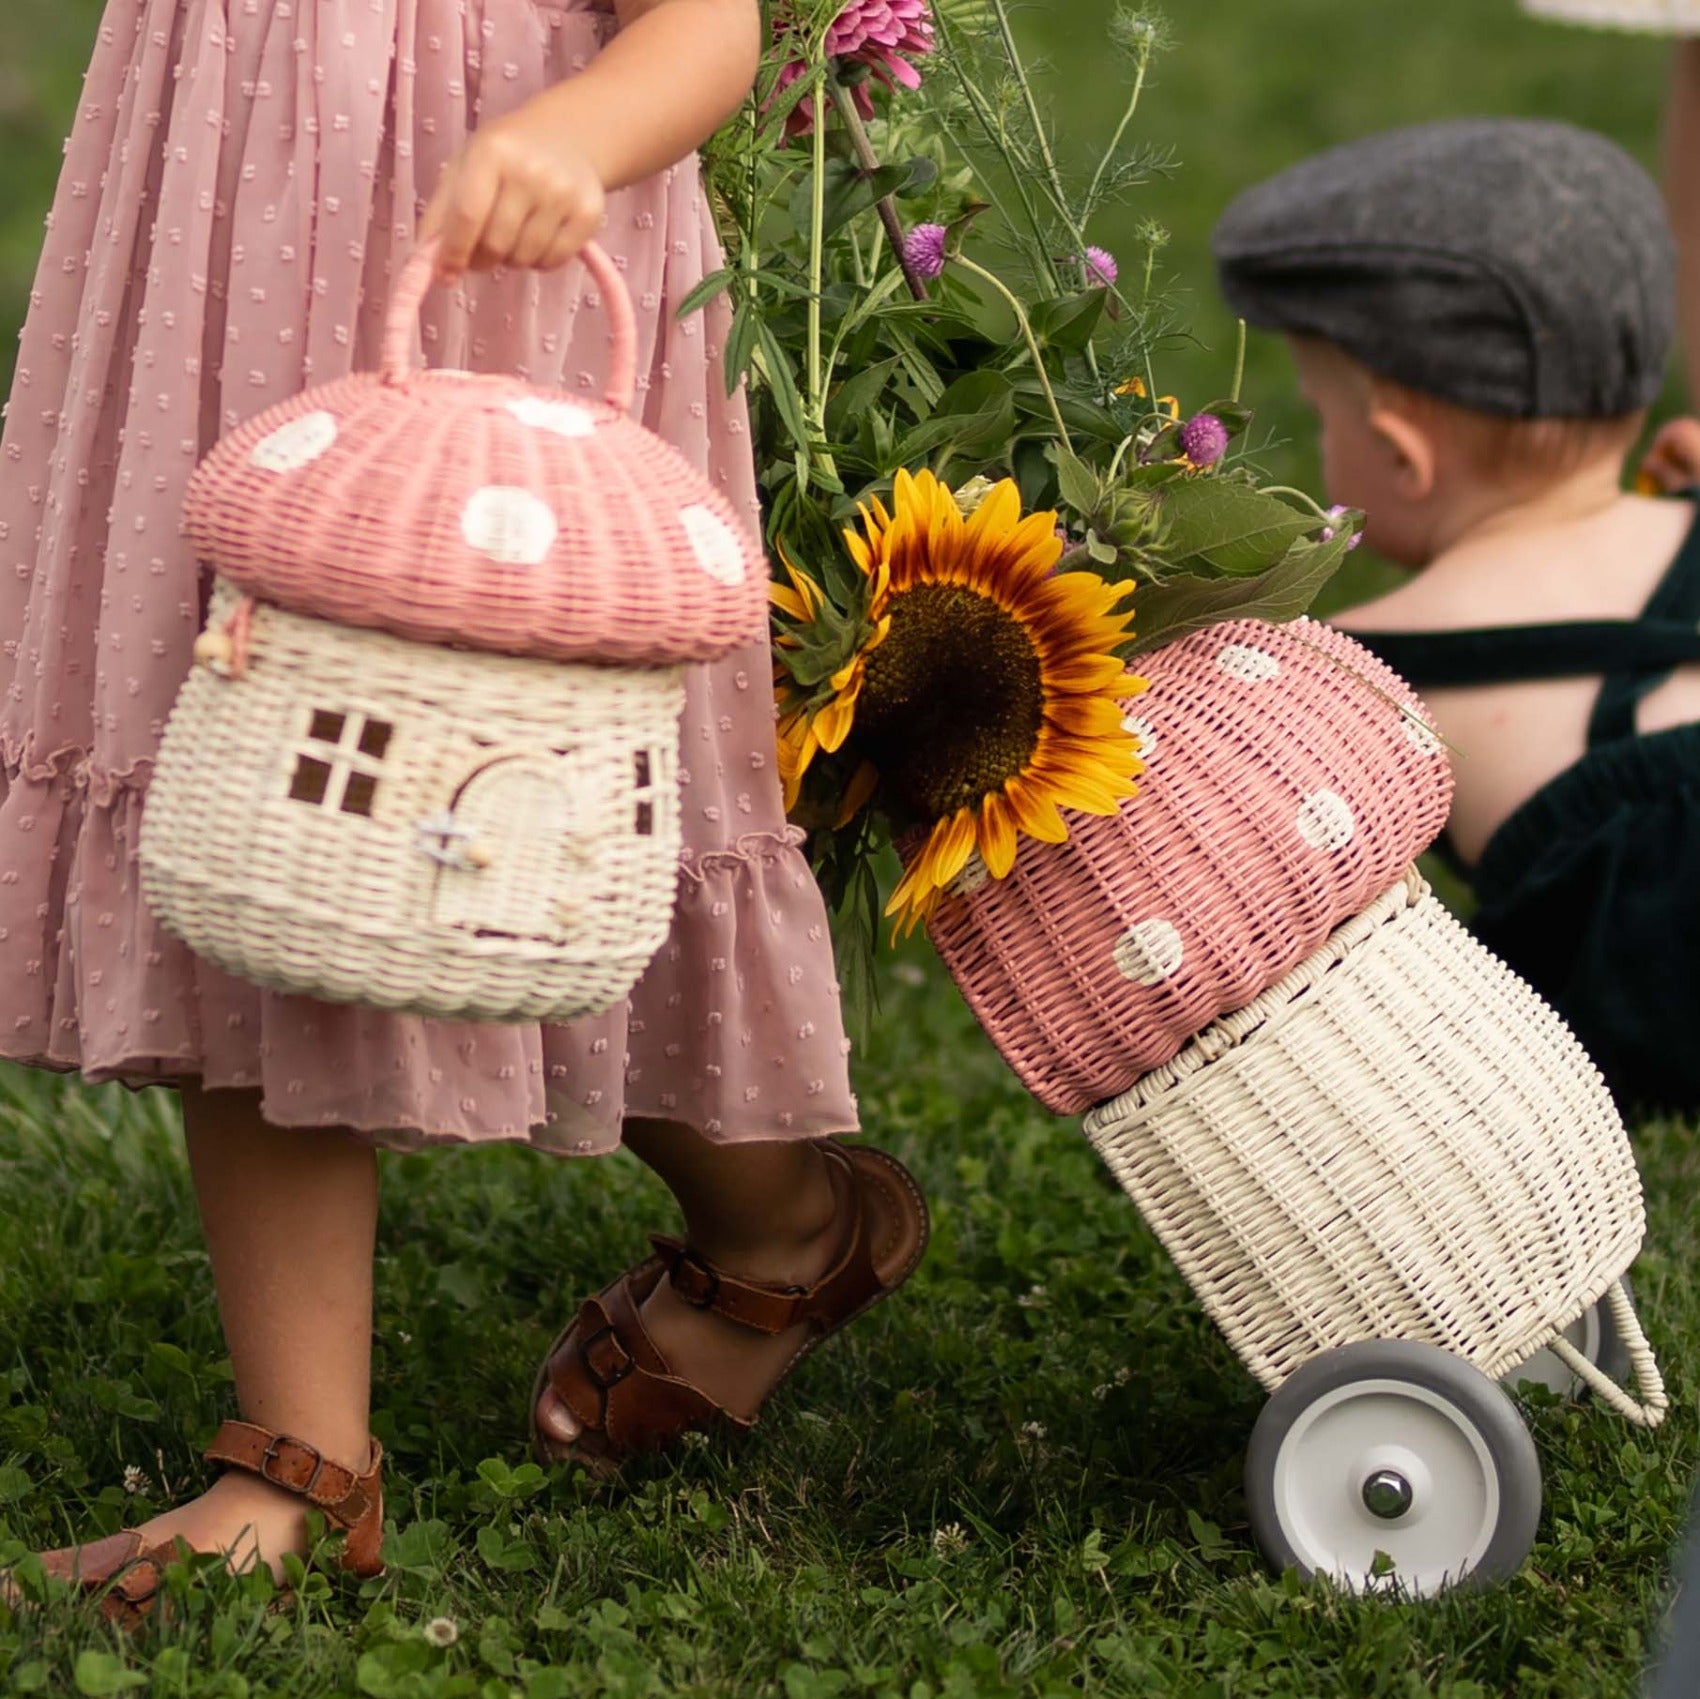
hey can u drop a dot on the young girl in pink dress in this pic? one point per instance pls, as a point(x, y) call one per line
point(241, 188)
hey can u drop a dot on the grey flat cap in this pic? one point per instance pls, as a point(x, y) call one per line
point(1514, 266)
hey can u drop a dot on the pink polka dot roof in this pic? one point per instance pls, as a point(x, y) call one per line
point(482, 512)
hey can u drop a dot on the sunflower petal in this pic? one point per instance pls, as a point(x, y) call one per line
point(856, 794)
point(997, 836)
point(1035, 814)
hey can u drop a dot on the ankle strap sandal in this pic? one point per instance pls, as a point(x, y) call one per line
point(128, 1572)
point(619, 1386)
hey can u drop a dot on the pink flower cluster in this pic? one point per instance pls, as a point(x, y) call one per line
point(882, 35)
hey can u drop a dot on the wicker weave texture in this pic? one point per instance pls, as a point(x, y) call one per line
point(1661, 17)
point(1289, 777)
point(482, 511)
point(1397, 1141)
point(359, 819)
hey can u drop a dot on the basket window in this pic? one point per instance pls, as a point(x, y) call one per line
point(643, 784)
point(358, 793)
point(340, 764)
point(375, 738)
point(311, 781)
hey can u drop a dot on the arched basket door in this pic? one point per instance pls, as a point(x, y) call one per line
point(517, 865)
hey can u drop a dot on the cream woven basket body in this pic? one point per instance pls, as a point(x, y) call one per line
point(1289, 777)
point(427, 758)
point(483, 835)
point(1398, 1141)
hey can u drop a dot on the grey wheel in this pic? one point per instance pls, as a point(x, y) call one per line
point(1595, 1335)
point(1390, 1466)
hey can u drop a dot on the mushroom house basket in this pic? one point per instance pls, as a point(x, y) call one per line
point(428, 755)
point(1286, 777)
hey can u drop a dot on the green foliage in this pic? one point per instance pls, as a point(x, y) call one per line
point(898, 1525)
point(1019, 360)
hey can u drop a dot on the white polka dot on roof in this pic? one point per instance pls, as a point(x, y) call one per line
point(1150, 952)
point(974, 874)
point(1419, 736)
point(1325, 821)
point(1240, 660)
point(564, 418)
point(297, 444)
point(508, 524)
point(1144, 733)
point(713, 542)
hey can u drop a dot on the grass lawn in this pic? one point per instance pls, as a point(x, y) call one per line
point(1021, 1477)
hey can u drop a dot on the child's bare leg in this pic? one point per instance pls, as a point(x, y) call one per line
point(290, 1218)
point(767, 1211)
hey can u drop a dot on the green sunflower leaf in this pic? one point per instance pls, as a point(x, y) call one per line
point(1214, 526)
point(1172, 609)
point(1076, 481)
point(1067, 324)
point(975, 412)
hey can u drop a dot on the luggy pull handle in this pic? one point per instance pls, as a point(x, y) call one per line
point(415, 282)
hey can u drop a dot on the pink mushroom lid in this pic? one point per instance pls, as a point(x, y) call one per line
point(482, 511)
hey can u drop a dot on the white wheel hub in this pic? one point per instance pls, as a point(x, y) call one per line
point(1388, 1468)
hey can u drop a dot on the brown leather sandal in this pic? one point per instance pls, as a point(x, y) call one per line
point(129, 1572)
point(608, 1372)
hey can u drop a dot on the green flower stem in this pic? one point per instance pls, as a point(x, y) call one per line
point(1028, 337)
point(1110, 152)
point(870, 162)
point(1239, 364)
point(1298, 495)
point(817, 270)
point(1019, 71)
point(999, 143)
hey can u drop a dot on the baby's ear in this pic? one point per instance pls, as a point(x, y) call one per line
point(1411, 450)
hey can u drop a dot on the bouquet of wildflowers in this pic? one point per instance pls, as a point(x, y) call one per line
point(971, 480)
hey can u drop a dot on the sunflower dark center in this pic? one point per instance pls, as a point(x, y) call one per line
point(952, 700)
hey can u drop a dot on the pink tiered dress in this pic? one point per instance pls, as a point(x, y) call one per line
point(239, 191)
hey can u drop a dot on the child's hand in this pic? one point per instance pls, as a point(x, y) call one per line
point(1672, 463)
point(521, 192)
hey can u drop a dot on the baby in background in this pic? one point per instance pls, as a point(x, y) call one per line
point(1480, 312)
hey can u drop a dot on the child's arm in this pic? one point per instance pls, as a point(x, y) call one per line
point(528, 188)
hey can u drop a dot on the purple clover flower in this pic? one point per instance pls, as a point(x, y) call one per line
point(1204, 440)
point(1101, 266)
point(1328, 531)
point(923, 251)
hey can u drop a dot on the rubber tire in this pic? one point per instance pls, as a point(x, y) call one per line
point(1484, 1403)
point(1613, 1358)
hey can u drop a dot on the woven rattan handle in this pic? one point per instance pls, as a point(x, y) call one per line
point(1654, 1404)
point(416, 281)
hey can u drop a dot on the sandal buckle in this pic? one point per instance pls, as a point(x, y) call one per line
point(695, 1281)
point(607, 1381)
point(272, 1454)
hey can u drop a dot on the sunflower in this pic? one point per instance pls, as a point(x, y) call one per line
point(814, 720)
point(992, 700)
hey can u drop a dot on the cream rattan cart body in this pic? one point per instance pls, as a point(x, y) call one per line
point(1393, 1180)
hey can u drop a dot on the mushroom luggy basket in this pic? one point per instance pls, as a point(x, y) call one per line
point(1286, 779)
point(428, 755)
